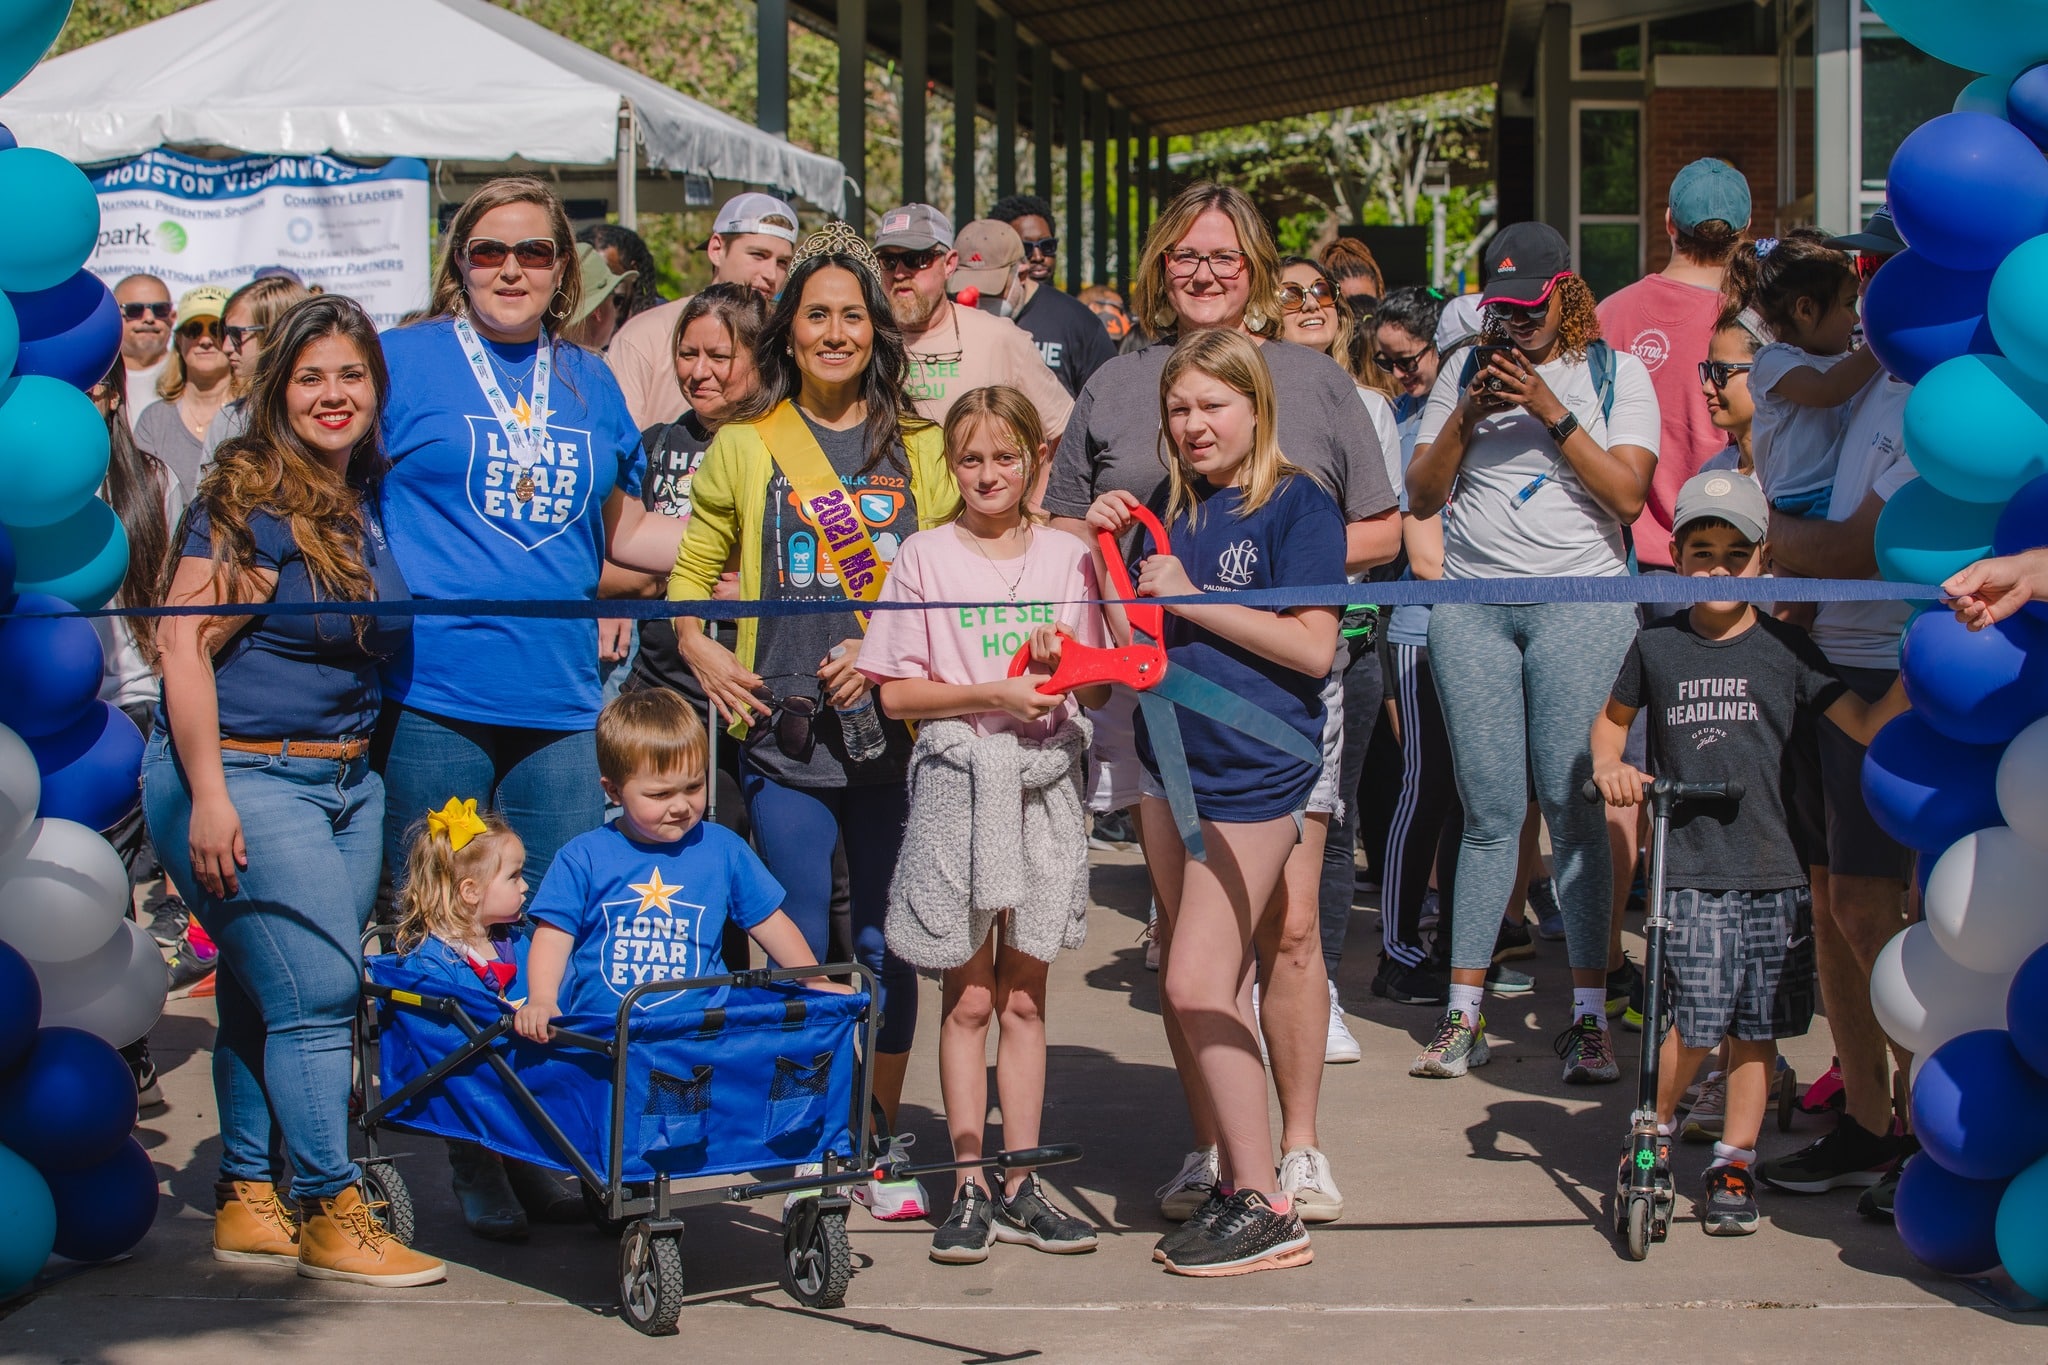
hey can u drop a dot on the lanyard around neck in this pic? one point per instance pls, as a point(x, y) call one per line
point(523, 440)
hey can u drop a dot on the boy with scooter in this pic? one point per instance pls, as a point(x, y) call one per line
point(1724, 684)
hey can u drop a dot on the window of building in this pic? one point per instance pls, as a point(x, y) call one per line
point(1903, 87)
point(1612, 50)
point(1740, 30)
point(1607, 217)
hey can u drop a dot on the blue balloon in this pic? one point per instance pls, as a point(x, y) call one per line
point(1964, 189)
point(106, 1208)
point(1977, 427)
point(42, 249)
point(72, 332)
point(53, 448)
point(2026, 103)
point(2023, 1229)
point(81, 559)
point(70, 1104)
point(50, 668)
point(28, 1223)
point(1917, 314)
point(6, 138)
point(1926, 790)
point(90, 768)
point(1924, 535)
point(1976, 686)
point(2023, 525)
point(2002, 37)
point(1985, 95)
point(1949, 1223)
point(2026, 1011)
point(10, 337)
point(27, 28)
point(6, 571)
point(1978, 1109)
point(21, 1007)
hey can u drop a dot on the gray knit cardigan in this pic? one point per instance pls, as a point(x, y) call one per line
point(995, 824)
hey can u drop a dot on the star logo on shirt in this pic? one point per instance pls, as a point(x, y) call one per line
point(655, 893)
point(523, 414)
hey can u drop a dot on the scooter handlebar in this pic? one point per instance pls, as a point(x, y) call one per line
point(1678, 791)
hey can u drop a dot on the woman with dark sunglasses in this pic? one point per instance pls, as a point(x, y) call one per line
point(1724, 382)
point(195, 383)
point(246, 319)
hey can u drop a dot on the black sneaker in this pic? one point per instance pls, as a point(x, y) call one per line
point(1196, 1226)
point(1876, 1202)
point(1406, 985)
point(149, 1096)
point(1112, 831)
point(1029, 1218)
point(1549, 916)
point(1728, 1201)
point(1507, 981)
point(1248, 1236)
point(1625, 993)
point(1587, 1053)
point(1513, 941)
point(187, 968)
point(969, 1230)
point(1847, 1154)
point(167, 927)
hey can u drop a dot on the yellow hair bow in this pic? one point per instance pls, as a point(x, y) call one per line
point(458, 821)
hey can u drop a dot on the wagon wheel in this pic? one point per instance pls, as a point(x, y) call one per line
point(650, 1279)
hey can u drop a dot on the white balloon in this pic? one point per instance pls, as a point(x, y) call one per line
point(1923, 997)
point(115, 993)
point(21, 788)
point(2023, 783)
point(1984, 900)
point(63, 892)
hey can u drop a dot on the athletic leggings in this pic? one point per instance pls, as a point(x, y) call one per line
point(1423, 816)
point(1530, 676)
point(795, 829)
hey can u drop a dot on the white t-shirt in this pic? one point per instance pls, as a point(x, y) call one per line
point(1795, 448)
point(1389, 431)
point(1866, 634)
point(1561, 529)
point(142, 388)
point(127, 677)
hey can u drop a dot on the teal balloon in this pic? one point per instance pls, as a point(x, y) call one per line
point(1985, 95)
point(28, 1223)
point(10, 338)
point(2023, 1229)
point(1977, 428)
point(1998, 37)
point(81, 559)
point(53, 449)
point(27, 28)
point(1924, 535)
point(2018, 306)
point(53, 221)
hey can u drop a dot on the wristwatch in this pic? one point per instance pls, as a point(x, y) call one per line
point(1561, 430)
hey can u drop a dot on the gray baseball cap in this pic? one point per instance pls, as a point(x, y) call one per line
point(1727, 496)
point(914, 227)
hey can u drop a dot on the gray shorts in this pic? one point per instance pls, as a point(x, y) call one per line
point(1739, 964)
point(1856, 846)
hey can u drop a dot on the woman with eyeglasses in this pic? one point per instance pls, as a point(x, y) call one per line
point(511, 454)
point(1550, 438)
point(1210, 262)
point(811, 485)
point(246, 319)
point(196, 382)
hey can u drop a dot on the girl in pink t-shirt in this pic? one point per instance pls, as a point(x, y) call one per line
point(996, 833)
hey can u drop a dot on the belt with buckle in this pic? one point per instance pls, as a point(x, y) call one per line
point(340, 750)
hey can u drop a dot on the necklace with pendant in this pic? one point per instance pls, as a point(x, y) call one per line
point(1010, 585)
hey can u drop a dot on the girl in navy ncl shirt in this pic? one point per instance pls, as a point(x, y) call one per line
point(1239, 517)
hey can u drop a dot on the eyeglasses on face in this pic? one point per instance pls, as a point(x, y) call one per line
point(235, 336)
point(1223, 265)
point(532, 253)
point(1719, 372)
point(134, 312)
point(907, 262)
point(1044, 246)
point(198, 327)
point(1402, 364)
point(1295, 297)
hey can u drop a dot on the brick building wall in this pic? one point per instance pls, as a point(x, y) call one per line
point(1683, 124)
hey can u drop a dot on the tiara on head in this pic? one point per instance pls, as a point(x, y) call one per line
point(837, 239)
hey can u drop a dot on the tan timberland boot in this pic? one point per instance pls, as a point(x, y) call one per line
point(341, 1239)
point(252, 1226)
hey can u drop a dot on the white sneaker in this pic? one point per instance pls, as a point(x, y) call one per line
point(1186, 1192)
point(794, 1197)
point(1305, 1178)
point(1340, 1046)
point(892, 1201)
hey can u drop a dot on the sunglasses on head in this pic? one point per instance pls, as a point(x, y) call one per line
point(200, 327)
point(134, 311)
point(532, 253)
point(1402, 364)
point(911, 262)
point(1719, 372)
point(1044, 246)
point(1295, 297)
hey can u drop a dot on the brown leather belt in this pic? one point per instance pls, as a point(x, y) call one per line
point(340, 750)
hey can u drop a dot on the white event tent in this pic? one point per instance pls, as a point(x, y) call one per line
point(467, 86)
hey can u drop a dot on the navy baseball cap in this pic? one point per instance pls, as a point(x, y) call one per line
point(1523, 263)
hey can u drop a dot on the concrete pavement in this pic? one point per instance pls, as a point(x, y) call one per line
point(1473, 1224)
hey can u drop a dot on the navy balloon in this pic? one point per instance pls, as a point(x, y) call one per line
point(2026, 1011)
point(50, 669)
point(106, 1208)
point(2026, 104)
point(71, 332)
point(1926, 790)
point(1917, 314)
point(6, 138)
point(1948, 1222)
point(70, 1104)
point(21, 1008)
point(6, 570)
point(90, 768)
point(1980, 1110)
point(1976, 686)
point(1967, 188)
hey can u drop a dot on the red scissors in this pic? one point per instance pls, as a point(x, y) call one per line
point(1142, 666)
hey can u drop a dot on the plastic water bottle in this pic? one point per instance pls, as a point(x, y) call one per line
point(861, 725)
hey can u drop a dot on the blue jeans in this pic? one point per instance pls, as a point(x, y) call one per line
point(796, 828)
point(544, 782)
point(290, 951)
point(1518, 680)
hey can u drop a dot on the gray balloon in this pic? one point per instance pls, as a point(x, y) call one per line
point(116, 993)
point(63, 893)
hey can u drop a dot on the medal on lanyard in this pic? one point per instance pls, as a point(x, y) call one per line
point(524, 440)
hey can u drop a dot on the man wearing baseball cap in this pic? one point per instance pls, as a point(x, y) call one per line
point(1070, 335)
point(1667, 321)
point(954, 348)
point(752, 240)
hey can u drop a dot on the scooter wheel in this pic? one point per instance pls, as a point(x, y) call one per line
point(1638, 1228)
point(1788, 1098)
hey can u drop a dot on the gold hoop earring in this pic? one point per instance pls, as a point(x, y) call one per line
point(560, 302)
